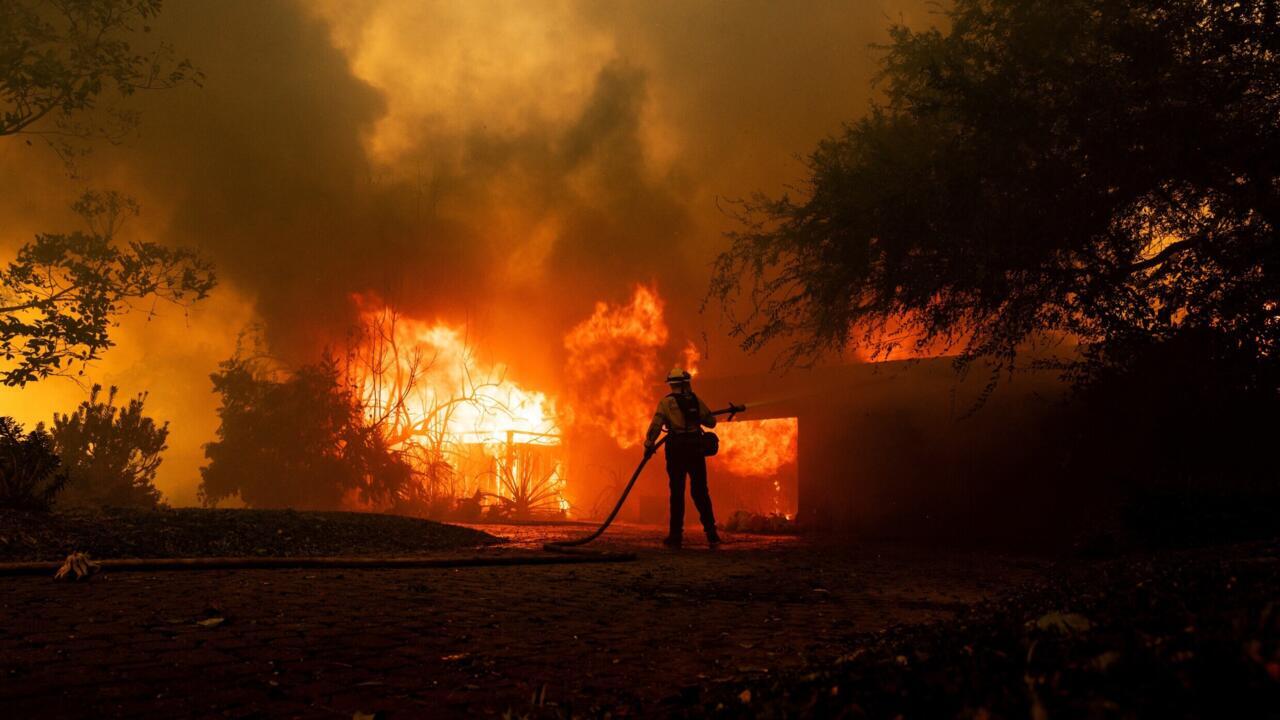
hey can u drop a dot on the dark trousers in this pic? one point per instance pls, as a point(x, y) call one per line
point(682, 461)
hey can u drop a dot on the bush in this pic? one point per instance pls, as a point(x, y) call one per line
point(111, 453)
point(298, 439)
point(30, 474)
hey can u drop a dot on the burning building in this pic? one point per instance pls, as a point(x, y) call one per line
point(478, 439)
point(872, 449)
point(467, 430)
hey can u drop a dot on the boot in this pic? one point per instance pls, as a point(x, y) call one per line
point(671, 541)
point(713, 538)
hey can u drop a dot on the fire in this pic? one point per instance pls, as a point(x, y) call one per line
point(470, 429)
point(423, 385)
point(430, 376)
point(751, 448)
point(758, 448)
point(692, 356)
point(613, 365)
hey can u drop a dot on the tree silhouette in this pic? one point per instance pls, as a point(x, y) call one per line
point(110, 452)
point(67, 65)
point(66, 68)
point(1106, 171)
point(62, 294)
point(30, 476)
point(297, 439)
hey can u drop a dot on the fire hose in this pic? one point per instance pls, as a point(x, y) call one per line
point(569, 545)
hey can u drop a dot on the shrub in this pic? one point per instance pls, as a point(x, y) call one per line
point(111, 453)
point(297, 439)
point(30, 474)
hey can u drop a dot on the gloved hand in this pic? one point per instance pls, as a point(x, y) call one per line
point(650, 447)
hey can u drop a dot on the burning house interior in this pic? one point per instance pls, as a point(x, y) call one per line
point(639, 358)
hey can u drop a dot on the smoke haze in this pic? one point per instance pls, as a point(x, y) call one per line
point(503, 165)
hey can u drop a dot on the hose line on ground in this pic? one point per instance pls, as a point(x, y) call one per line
point(571, 547)
point(563, 545)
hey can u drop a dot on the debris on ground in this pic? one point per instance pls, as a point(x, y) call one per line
point(77, 566)
point(1177, 635)
point(748, 522)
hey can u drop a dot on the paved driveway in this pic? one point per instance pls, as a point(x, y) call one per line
point(474, 641)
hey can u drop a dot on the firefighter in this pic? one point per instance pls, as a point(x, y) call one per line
point(683, 415)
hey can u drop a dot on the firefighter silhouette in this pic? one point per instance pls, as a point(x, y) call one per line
point(684, 415)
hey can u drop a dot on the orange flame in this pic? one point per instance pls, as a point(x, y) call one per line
point(691, 358)
point(613, 367)
point(751, 448)
point(423, 386)
point(758, 448)
point(613, 364)
point(433, 378)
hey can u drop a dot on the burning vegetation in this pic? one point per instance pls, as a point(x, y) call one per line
point(407, 416)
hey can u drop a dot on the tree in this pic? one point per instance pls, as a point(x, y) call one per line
point(66, 65)
point(1106, 171)
point(298, 440)
point(63, 292)
point(111, 453)
point(30, 476)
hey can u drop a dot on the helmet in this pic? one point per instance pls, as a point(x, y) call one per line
point(678, 375)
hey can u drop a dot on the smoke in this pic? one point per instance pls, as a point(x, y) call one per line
point(503, 165)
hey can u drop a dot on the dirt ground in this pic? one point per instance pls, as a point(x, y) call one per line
point(117, 533)
point(473, 641)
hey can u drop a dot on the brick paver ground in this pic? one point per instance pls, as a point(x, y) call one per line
point(474, 641)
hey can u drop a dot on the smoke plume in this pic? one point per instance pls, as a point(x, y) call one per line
point(500, 165)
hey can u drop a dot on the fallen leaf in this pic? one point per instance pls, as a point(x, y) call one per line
point(211, 622)
point(745, 696)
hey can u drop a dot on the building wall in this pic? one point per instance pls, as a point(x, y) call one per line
point(903, 450)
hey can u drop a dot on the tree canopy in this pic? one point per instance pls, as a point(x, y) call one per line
point(30, 471)
point(66, 64)
point(1101, 170)
point(297, 439)
point(60, 297)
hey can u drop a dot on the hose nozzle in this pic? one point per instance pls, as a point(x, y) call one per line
point(731, 410)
